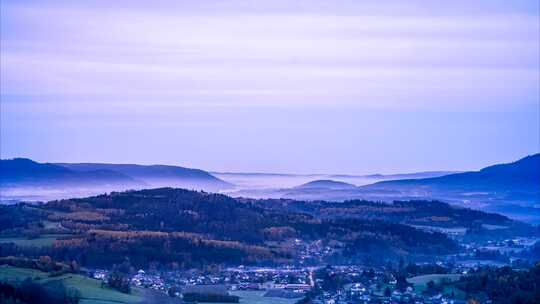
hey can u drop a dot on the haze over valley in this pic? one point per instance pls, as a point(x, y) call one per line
point(512, 189)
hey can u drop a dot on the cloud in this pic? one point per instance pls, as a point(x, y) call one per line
point(141, 65)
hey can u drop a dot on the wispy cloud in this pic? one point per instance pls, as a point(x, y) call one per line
point(104, 58)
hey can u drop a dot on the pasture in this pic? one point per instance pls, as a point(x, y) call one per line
point(257, 297)
point(90, 289)
point(41, 241)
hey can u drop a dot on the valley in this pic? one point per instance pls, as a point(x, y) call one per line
point(259, 250)
point(324, 240)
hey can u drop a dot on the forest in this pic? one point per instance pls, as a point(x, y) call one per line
point(503, 285)
point(190, 228)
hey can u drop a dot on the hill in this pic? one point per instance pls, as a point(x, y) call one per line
point(19, 172)
point(196, 228)
point(91, 290)
point(193, 229)
point(512, 189)
point(415, 175)
point(23, 179)
point(326, 184)
point(520, 176)
point(158, 175)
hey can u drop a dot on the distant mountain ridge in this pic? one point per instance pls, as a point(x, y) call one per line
point(157, 175)
point(512, 189)
point(414, 175)
point(521, 175)
point(423, 174)
point(23, 171)
point(326, 184)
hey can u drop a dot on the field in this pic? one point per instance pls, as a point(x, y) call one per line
point(256, 297)
point(41, 241)
point(92, 293)
point(452, 231)
point(90, 289)
point(52, 225)
point(493, 227)
point(420, 282)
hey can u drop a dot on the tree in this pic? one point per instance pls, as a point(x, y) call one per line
point(119, 277)
point(473, 301)
point(45, 263)
point(433, 288)
point(29, 291)
point(74, 266)
point(387, 292)
point(119, 281)
point(401, 283)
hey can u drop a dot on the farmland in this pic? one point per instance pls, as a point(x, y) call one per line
point(257, 297)
point(41, 241)
point(90, 289)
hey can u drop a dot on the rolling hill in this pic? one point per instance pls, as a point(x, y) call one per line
point(23, 179)
point(20, 172)
point(519, 176)
point(326, 184)
point(157, 175)
point(512, 189)
point(415, 175)
point(167, 225)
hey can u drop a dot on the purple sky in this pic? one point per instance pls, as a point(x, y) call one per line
point(314, 86)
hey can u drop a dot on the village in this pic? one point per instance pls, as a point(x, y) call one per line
point(368, 285)
point(334, 284)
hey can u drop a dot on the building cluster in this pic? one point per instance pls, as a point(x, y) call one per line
point(356, 283)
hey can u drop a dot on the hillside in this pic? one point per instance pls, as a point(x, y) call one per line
point(195, 228)
point(91, 290)
point(431, 215)
point(415, 175)
point(512, 189)
point(23, 179)
point(20, 172)
point(520, 176)
point(326, 184)
point(158, 175)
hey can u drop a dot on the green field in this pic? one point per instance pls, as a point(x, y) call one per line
point(92, 293)
point(41, 241)
point(420, 283)
point(447, 230)
point(422, 280)
point(90, 289)
point(52, 225)
point(257, 297)
point(493, 227)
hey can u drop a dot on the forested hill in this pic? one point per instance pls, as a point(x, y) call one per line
point(20, 172)
point(158, 175)
point(521, 175)
point(193, 228)
point(23, 173)
point(326, 184)
point(419, 212)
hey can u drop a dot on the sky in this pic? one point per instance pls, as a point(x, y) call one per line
point(350, 87)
